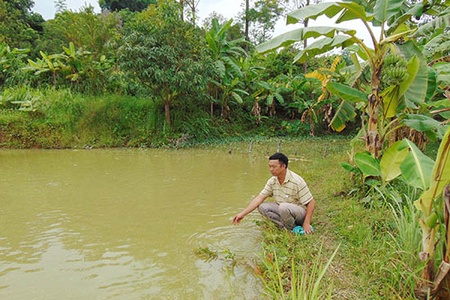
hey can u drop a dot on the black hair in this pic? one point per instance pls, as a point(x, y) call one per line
point(280, 157)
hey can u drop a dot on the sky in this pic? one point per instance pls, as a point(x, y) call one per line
point(227, 8)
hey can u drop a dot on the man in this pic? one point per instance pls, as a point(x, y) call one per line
point(294, 204)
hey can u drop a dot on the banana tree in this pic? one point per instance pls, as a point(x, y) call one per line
point(11, 60)
point(272, 91)
point(392, 19)
point(435, 37)
point(405, 160)
point(53, 63)
point(226, 56)
point(427, 204)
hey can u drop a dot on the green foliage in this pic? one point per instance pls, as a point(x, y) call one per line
point(226, 85)
point(407, 83)
point(295, 128)
point(218, 70)
point(85, 29)
point(305, 281)
point(368, 165)
point(132, 5)
point(60, 119)
point(402, 268)
point(22, 99)
point(272, 92)
point(403, 159)
point(76, 69)
point(19, 27)
point(114, 121)
point(11, 62)
point(165, 54)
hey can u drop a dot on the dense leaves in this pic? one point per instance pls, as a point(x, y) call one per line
point(165, 54)
point(19, 27)
point(132, 5)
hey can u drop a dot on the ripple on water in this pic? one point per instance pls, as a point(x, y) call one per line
point(225, 259)
point(240, 239)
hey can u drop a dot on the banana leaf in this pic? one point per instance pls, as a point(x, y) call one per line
point(440, 175)
point(346, 92)
point(415, 91)
point(368, 165)
point(417, 167)
point(300, 34)
point(392, 159)
point(345, 112)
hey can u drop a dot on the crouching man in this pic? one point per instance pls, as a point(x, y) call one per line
point(294, 204)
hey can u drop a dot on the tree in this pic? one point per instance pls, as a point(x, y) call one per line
point(85, 29)
point(132, 5)
point(165, 54)
point(190, 8)
point(19, 27)
point(393, 19)
point(60, 5)
point(434, 37)
point(259, 20)
point(225, 54)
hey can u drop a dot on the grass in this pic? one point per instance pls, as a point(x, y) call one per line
point(305, 282)
point(61, 119)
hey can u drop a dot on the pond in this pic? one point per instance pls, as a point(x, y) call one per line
point(128, 224)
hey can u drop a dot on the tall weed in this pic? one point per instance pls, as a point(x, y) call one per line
point(403, 266)
point(305, 282)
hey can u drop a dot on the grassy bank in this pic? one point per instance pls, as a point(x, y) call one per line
point(60, 119)
point(50, 118)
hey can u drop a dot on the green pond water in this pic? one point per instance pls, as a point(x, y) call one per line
point(128, 224)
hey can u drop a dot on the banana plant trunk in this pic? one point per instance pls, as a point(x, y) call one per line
point(442, 282)
point(437, 286)
point(373, 143)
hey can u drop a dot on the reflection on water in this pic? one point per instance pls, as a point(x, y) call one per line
point(125, 224)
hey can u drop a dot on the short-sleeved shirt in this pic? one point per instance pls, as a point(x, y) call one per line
point(293, 190)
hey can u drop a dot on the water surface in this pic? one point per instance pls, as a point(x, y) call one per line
point(128, 224)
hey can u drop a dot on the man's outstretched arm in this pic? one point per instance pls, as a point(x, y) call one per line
point(251, 207)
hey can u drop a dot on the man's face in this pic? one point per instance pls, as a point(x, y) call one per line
point(276, 167)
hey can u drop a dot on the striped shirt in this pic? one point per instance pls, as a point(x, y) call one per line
point(293, 190)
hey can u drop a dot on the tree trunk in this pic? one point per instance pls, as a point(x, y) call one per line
point(182, 9)
point(167, 100)
point(167, 112)
point(305, 41)
point(431, 285)
point(443, 286)
point(373, 143)
point(247, 21)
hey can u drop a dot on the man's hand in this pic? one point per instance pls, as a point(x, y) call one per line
point(309, 212)
point(307, 228)
point(237, 218)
